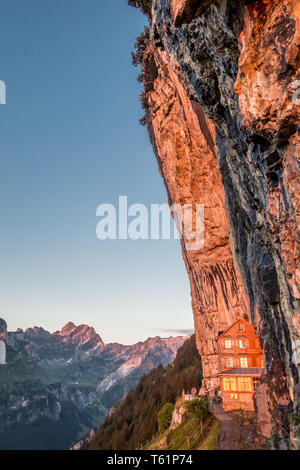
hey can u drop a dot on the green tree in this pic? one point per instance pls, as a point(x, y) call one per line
point(165, 417)
point(200, 409)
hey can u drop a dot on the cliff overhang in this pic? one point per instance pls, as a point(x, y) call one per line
point(223, 118)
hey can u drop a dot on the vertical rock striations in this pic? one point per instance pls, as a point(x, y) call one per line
point(183, 140)
point(221, 82)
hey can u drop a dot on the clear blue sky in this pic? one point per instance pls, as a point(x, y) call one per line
point(70, 140)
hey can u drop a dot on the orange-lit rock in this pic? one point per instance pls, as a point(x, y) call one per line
point(269, 98)
point(184, 11)
point(239, 64)
point(183, 140)
point(268, 89)
point(269, 66)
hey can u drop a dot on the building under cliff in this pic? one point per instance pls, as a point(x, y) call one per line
point(241, 363)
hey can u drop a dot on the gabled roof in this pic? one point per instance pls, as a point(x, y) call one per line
point(229, 328)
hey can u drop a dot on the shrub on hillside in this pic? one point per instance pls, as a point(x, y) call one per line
point(200, 409)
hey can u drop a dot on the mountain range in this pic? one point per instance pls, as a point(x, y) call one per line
point(55, 387)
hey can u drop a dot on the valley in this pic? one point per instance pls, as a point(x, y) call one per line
point(54, 388)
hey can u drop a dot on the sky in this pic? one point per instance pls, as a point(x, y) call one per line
point(71, 140)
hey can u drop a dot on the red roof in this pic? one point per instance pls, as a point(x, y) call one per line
point(229, 328)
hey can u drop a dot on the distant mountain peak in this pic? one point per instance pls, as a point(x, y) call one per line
point(67, 329)
point(82, 335)
point(37, 332)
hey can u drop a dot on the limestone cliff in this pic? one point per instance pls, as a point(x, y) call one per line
point(184, 143)
point(222, 110)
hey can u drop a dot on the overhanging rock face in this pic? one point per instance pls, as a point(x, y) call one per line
point(184, 143)
point(223, 118)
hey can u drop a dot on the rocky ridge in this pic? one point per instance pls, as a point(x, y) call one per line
point(56, 387)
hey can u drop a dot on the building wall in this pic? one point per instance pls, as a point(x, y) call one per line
point(252, 350)
point(244, 402)
point(239, 398)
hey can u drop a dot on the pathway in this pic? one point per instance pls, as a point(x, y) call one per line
point(232, 433)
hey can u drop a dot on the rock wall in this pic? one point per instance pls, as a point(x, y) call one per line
point(184, 143)
point(179, 415)
point(221, 81)
point(3, 329)
point(2, 352)
point(3, 334)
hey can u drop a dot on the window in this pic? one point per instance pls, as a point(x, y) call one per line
point(234, 396)
point(244, 361)
point(230, 384)
point(242, 344)
point(241, 327)
point(227, 343)
point(233, 384)
point(228, 362)
point(226, 384)
point(244, 384)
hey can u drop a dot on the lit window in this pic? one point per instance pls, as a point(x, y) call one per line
point(226, 384)
point(228, 362)
point(242, 344)
point(244, 384)
point(233, 384)
point(241, 327)
point(227, 343)
point(234, 396)
point(244, 362)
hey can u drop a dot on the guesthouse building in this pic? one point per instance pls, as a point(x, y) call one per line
point(241, 363)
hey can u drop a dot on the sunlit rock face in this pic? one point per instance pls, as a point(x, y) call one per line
point(184, 11)
point(270, 103)
point(184, 143)
point(237, 64)
point(82, 335)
